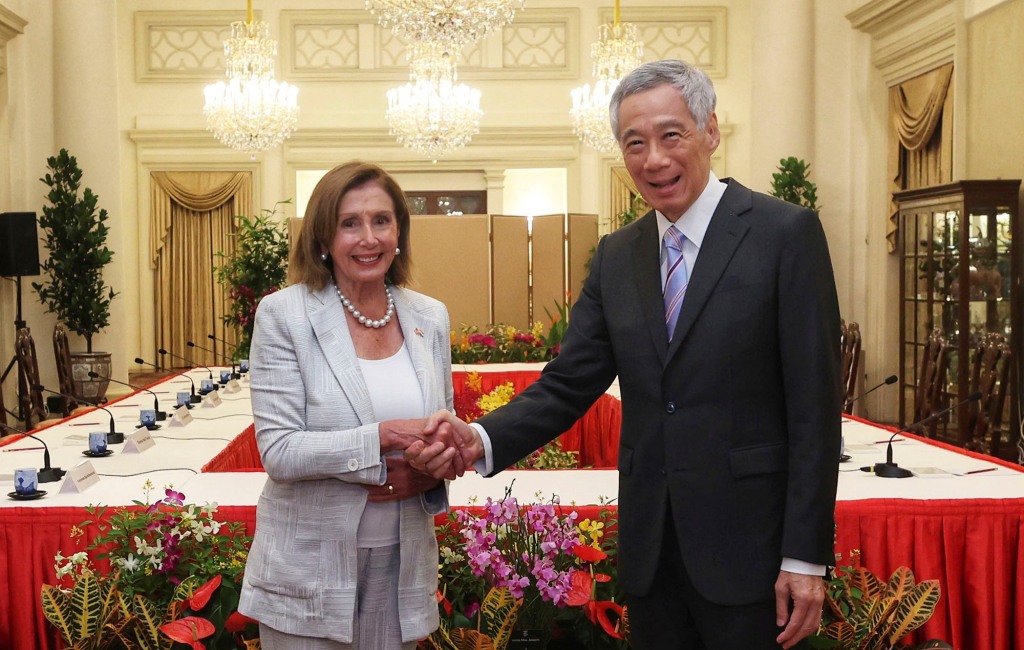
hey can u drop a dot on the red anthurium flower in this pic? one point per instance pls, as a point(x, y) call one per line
point(579, 591)
point(447, 604)
point(202, 595)
point(237, 622)
point(598, 612)
point(189, 630)
point(589, 553)
point(602, 577)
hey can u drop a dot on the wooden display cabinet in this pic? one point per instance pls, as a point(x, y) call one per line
point(960, 271)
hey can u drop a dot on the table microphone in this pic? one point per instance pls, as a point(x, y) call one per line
point(195, 398)
point(234, 375)
point(46, 474)
point(113, 437)
point(160, 415)
point(891, 379)
point(889, 469)
point(215, 354)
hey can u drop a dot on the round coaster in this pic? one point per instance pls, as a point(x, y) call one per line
point(17, 496)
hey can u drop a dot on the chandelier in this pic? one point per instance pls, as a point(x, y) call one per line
point(617, 51)
point(455, 22)
point(252, 111)
point(433, 114)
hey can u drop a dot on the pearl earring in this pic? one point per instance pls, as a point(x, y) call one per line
point(398, 251)
point(323, 256)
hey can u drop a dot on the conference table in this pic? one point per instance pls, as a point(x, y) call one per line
point(948, 523)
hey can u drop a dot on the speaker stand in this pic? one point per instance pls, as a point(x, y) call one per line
point(19, 324)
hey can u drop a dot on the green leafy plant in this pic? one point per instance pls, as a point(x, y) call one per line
point(636, 208)
point(75, 235)
point(167, 562)
point(791, 183)
point(864, 613)
point(257, 266)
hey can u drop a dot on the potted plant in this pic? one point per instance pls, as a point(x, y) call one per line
point(76, 235)
point(257, 266)
point(792, 184)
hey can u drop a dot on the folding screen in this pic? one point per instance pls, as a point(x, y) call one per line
point(451, 263)
point(510, 259)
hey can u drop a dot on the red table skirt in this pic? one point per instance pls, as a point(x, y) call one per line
point(975, 548)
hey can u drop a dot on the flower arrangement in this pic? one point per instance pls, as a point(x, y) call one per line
point(159, 573)
point(864, 613)
point(499, 344)
point(532, 567)
point(473, 403)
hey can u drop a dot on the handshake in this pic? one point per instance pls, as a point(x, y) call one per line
point(443, 446)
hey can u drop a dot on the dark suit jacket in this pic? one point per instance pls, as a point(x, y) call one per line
point(735, 426)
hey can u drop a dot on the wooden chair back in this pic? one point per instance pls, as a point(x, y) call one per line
point(990, 370)
point(33, 408)
point(850, 346)
point(62, 356)
point(931, 385)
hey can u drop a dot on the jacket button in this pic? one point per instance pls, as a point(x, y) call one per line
point(670, 407)
point(353, 464)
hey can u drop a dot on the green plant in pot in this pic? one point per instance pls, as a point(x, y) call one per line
point(791, 183)
point(257, 266)
point(75, 235)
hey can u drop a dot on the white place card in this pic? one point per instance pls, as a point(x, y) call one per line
point(212, 399)
point(180, 417)
point(79, 477)
point(232, 386)
point(138, 442)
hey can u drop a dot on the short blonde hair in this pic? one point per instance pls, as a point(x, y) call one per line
point(321, 222)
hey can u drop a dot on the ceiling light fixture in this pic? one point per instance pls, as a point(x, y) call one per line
point(252, 111)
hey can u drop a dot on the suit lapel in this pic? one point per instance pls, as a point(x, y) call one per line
point(648, 281)
point(725, 232)
point(327, 318)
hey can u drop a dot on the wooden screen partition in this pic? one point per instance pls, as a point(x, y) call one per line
point(451, 263)
point(548, 266)
point(510, 261)
point(582, 244)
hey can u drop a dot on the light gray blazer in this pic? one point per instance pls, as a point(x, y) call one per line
point(318, 440)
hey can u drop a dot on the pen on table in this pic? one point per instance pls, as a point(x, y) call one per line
point(979, 471)
point(878, 442)
point(84, 424)
point(26, 449)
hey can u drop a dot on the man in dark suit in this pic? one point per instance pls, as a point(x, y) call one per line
point(728, 459)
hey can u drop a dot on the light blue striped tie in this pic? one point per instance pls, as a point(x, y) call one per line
point(677, 278)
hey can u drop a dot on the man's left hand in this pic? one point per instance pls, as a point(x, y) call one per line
point(807, 595)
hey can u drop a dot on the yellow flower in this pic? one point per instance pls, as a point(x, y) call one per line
point(473, 382)
point(537, 330)
point(499, 396)
point(591, 532)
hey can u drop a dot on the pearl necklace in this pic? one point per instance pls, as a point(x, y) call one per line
point(368, 322)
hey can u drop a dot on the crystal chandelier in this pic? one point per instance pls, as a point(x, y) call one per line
point(252, 111)
point(456, 22)
point(617, 52)
point(433, 114)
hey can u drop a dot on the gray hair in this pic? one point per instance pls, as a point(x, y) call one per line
point(692, 83)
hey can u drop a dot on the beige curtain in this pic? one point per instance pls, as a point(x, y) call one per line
point(193, 219)
point(920, 143)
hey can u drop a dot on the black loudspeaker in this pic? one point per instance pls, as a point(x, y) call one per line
point(19, 245)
